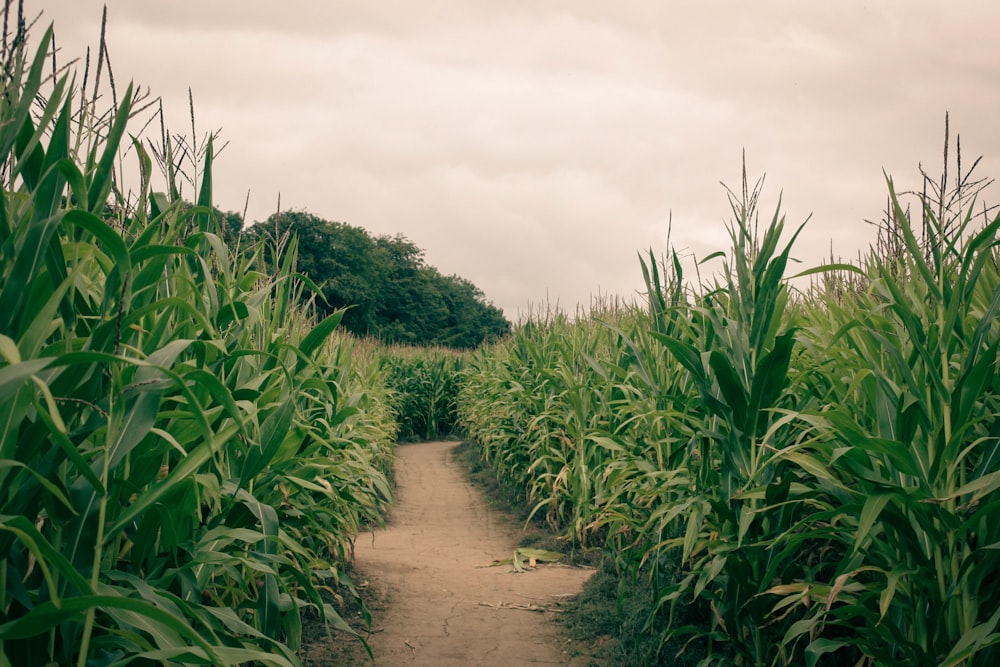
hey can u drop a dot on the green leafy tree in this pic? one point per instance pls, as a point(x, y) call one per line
point(392, 293)
point(471, 319)
point(411, 308)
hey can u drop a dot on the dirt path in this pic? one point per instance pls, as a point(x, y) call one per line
point(446, 607)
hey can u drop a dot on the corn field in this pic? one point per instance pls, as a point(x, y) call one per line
point(185, 454)
point(804, 476)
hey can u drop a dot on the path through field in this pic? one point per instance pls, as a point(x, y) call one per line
point(446, 606)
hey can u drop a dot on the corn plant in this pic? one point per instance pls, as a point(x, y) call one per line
point(916, 434)
point(738, 491)
point(172, 425)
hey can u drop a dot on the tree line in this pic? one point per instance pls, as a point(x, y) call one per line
point(391, 293)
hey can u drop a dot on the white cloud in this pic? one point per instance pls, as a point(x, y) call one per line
point(536, 149)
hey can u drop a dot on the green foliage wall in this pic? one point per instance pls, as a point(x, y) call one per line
point(424, 384)
point(185, 453)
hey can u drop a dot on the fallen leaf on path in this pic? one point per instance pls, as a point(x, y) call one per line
point(522, 607)
point(526, 559)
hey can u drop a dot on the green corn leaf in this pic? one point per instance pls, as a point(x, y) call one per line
point(141, 252)
point(817, 648)
point(140, 416)
point(14, 377)
point(268, 612)
point(731, 387)
point(688, 357)
point(49, 558)
point(101, 180)
point(273, 433)
point(221, 656)
point(828, 268)
point(266, 516)
point(977, 488)
point(160, 204)
point(110, 241)
point(19, 113)
point(57, 432)
point(47, 615)
point(320, 333)
point(979, 637)
point(31, 254)
point(870, 512)
point(220, 393)
point(205, 193)
point(771, 375)
point(31, 161)
point(145, 174)
point(178, 475)
point(52, 181)
point(889, 592)
point(38, 325)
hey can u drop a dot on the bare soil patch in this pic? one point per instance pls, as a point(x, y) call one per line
point(438, 599)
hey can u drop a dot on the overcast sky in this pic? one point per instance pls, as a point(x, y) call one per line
point(535, 148)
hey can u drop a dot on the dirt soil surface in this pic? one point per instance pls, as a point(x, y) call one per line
point(445, 604)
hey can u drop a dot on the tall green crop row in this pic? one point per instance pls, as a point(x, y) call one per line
point(915, 446)
point(541, 411)
point(801, 478)
point(185, 454)
point(424, 386)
